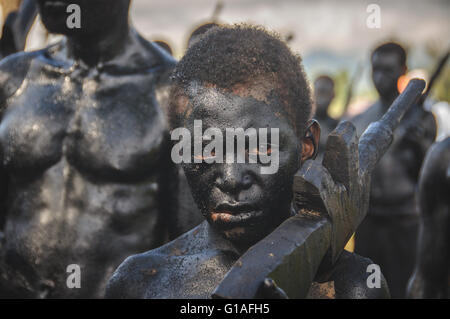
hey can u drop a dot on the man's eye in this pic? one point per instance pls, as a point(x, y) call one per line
point(201, 157)
point(255, 151)
point(198, 157)
point(212, 155)
point(267, 150)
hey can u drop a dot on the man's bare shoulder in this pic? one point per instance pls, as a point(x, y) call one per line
point(141, 275)
point(130, 279)
point(13, 70)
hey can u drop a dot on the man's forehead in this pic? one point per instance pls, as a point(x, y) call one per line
point(259, 89)
point(209, 103)
point(222, 108)
point(240, 98)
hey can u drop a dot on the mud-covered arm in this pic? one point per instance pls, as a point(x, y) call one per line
point(430, 278)
point(13, 70)
point(168, 193)
point(128, 281)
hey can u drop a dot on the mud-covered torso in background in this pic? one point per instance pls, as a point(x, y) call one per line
point(85, 165)
point(395, 177)
point(388, 235)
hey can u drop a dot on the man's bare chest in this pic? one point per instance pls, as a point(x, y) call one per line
point(102, 126)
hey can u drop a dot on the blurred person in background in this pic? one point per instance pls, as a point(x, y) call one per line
point(388, 235)
point(323, 96)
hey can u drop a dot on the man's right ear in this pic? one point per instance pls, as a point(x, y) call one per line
point(310, 142)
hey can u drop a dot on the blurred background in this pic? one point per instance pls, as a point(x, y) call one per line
point(332, 37)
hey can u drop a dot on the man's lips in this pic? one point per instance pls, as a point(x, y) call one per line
point(231, 215)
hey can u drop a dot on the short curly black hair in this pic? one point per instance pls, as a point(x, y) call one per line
point(231, 55)
point(201, 30)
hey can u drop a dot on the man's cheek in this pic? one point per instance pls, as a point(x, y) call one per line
point(289, 164)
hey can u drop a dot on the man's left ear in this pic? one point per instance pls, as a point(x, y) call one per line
point(310, 142)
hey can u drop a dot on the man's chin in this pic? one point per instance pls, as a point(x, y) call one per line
point(235, 234)
point(242, 236)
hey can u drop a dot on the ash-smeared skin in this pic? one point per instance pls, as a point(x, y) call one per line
point(85, 156)
point(194, 264)
point(189, 267)
point(238, 188)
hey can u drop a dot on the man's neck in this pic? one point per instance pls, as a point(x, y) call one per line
point(218, 241)
point(98, 49)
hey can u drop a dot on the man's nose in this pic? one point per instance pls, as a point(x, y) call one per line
point(234, 178)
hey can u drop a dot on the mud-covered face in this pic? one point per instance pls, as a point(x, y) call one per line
point(386, 69)
point(239, 201)
point(96, 16)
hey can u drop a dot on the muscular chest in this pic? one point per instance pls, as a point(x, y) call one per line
point(395, 175)
point(108, 127)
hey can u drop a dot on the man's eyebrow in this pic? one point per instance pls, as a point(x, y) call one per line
point(257, 89)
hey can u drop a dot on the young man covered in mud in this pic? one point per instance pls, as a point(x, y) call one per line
point(235, 77)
